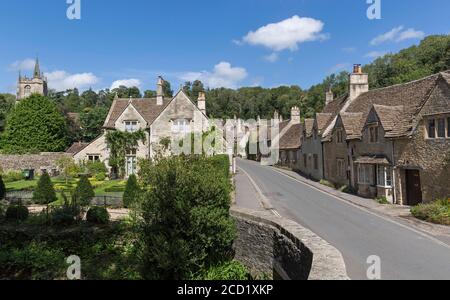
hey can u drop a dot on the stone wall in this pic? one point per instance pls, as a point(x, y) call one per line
point(37, 162)
point(283, 249)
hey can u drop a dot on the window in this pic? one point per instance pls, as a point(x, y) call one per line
point(131, 126)
point(340, 136)
point(27, 91)
point(364, 174)
point(180, 126)
point(93, 158)
point(341, 168)
point(131, 162)
point(373, 134)
point(305, 160)
point(316, 162)
point(441, 128)
point(384, 176)
point(431, 129)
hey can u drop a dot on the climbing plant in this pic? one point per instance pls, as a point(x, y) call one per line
point(119, 143)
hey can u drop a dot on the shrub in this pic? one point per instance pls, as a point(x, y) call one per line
point(84, 192)
point(132, 192)
point(95, 168)
point(327, 183)
point(115, 189)
point(65, 215)
point(100, 177)
point(437, 212)
point(382, 200)
point(12, 177)
point(44, 192)
point(2, 189)
point(231, 270)
point(347, 189)
point(222, 163)
point(17, 213)
point(98, 215)
point(186, 217)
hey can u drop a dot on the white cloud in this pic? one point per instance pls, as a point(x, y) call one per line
point(375, 54)
point(132, 82)
point(287, 34)
point(223, 75)
point(397, 34)
point(22, 65)
point(272, 57)
point(62, 80)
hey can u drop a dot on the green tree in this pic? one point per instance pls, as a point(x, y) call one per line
point(44, 192)
point(132, 192)
point(92, 122)
point(2, 189)
point(68, 167)
point(84, 192)
point(6, 105)
point(35, 125)
point(167, 89)
point(149, 94)
point(126, 92)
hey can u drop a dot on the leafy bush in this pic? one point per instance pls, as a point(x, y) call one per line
point(327, 183)
point(2, 189)
point(186, 217)
point(84, 192)
point(12, 177)
point(44, 192)
point(17, 213)
point(95, 168)
point(100, 177)
point(382, 200)
point(65, 215)
point(231, 270)
point(437, 212)
point(347, 189)
point(132, 192)
point(222, 163)
point(98, 215)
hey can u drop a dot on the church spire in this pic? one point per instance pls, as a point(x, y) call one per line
point(37, 70)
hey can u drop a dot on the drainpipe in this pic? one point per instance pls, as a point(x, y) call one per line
point(394, 182)
point(323, 161)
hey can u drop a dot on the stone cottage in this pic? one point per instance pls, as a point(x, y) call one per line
point(290, 140)
point(159, 118)
point(393, 142)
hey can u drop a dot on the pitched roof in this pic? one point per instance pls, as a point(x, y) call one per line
point(292, 137)
point(412, 96)
point(147, 107)
point(351, 122)
point(309, 125)
point(323, 120)
point(332, 110)
point(77, 148)
point(391, 119)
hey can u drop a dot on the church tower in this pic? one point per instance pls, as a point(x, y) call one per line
point(36, 85)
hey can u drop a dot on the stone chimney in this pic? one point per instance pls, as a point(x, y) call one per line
point(329, 96)
point(202, 102)
point(160, 91)
point(359, 82)
point(295, 115)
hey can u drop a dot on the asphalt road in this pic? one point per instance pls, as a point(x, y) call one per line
point(356, 232)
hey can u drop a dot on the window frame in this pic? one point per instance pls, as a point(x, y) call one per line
point(429, 126)
point(384, 176)
point(131, 126)
point(340, 135)
point(364, 174)
point(340, 167)
point(181, 126)
point(438, 128)
point(92, 158)
point(374, 134)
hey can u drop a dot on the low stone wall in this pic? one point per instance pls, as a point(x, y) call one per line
point(283, 249)
point(36, 162)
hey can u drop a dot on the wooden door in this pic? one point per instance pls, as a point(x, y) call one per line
point(413, 188)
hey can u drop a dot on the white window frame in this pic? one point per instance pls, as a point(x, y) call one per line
point(181, 126)
point(93, 157)
point(131, 126)
point(384, 176)
point(364, 174)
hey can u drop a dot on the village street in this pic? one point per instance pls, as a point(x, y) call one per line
point(406, 252)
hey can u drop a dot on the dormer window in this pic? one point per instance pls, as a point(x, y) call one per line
point(131, 126)
point(373, 134)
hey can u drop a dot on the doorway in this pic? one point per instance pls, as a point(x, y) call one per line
point(413, 188)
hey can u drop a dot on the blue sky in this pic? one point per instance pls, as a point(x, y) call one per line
point(228, 43)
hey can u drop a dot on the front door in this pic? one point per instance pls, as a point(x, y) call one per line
point(413, 188)
point(131, 165)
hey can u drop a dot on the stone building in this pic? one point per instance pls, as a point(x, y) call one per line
point(160, 118)
point(290, 140)
point(35, 85)
point(393, 142)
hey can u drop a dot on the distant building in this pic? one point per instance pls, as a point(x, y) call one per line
point(35, 85)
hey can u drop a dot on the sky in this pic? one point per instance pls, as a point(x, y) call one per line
point(224, 43)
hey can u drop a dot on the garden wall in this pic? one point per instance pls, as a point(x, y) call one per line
point(37, 162)
point(283, 249)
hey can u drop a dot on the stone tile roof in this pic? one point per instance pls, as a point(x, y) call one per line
point(77, 148)
point(147, 107)
point(391, 119)
point(291, 139)
point(351, 123)
point(412, 96)
point(323, 120)
point(309, 125)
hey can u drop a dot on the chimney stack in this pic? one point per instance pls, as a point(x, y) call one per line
point(202, 102)
point(295, 115)
point(359, 82)
point(329, 96)
point(160, 91)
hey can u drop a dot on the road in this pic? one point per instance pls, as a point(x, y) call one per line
point(358, 233)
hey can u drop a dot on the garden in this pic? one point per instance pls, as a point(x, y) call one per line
point(179, 226)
